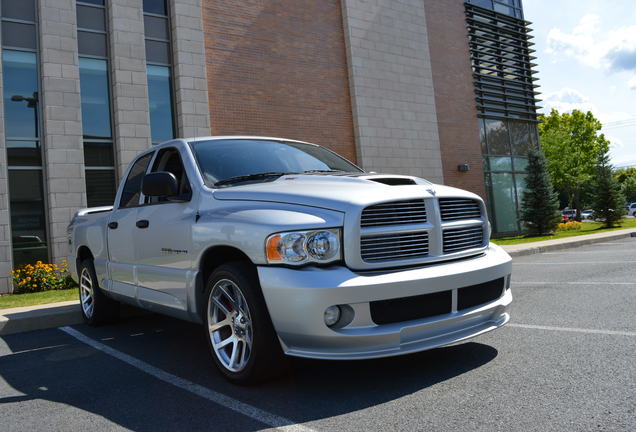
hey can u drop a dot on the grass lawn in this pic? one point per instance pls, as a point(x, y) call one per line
point(30, 299)
point(587, 228)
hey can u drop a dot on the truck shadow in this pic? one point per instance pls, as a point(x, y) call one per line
point(79, 376)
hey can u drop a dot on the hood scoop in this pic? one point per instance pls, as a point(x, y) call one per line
point(393, 181)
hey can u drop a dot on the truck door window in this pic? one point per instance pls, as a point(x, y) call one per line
point(169, 160)
point(132, 188)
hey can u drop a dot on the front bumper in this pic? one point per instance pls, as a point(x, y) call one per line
point(297, 299)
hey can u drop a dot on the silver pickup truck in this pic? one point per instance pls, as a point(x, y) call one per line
point(281, 247)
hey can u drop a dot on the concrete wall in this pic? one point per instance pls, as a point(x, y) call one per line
point(392, 87)
point(6, 261)
point(62, 120)
point(190, 81)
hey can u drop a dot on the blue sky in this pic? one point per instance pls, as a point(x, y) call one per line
point(586, 56)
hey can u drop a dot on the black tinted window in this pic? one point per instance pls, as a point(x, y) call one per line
point(223, 159)
point(132, 188)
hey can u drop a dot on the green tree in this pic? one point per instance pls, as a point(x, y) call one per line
point(608, 199)
point(629, 189)
point(572, 145)
point(539, 202)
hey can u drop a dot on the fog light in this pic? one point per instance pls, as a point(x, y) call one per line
point(332, 315)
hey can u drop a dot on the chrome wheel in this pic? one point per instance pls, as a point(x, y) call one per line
point(87, 294)
point(229, 325)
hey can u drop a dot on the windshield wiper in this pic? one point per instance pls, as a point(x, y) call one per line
point(320, 171)
point(247, 177)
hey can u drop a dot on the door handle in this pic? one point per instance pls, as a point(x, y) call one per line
point(142, 223)
point(113, 225)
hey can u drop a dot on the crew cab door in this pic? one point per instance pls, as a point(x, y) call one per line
point(121, 231)
point(164, 241)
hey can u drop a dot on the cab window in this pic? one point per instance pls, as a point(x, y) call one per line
point(132, 188)
point(169, 160)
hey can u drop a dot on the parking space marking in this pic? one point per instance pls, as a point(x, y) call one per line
point(8, 352)
point(273, 420)
point(573, 329)
point(573, 283)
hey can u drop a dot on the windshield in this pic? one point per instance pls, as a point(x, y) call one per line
point(221, 160)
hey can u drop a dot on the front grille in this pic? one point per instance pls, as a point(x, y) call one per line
point(479, 294)
point(394, 246)
point(394, 213)
point(457, 208)
point(411, 308)
point(460, 239)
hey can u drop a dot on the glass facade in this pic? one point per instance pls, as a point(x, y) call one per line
point(99, 159)
point(506, 106)
point(159, 70)
point(20, 81)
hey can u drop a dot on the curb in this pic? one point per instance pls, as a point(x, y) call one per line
point(547, 246)
point(39, 317)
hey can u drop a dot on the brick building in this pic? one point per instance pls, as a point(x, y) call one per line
point(438, 89)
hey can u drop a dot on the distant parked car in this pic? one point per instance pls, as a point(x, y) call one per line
point(568, 214)
point(631, 209)
point(587, 214)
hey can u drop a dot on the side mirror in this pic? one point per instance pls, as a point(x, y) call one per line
point(160, 184)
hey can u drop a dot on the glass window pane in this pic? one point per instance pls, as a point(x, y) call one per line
point(18, 35)
point(100, 187)
point(156, 27)
point(95, 98)
point(91, 44)
point(20, 82)
point(24, 153)
point(132, 189)
point(504, 9)
point(19, 9)
point(520, 163)
point(504, 203)
point(28, 224)
point(520, 182)
point(519, 137)
point(157, 52)
point(500, 164)
point(95, 2)
point(98, 154)
point(482, 136)
point(156, 6)
point(90, 18)
point(160, 103)
point(497, 137)
point(482, 3)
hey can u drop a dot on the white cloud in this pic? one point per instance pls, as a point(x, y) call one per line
point(613, 50)
point(568, 99)
point(632, 83)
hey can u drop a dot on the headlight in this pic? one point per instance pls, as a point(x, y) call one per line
point(303, 247)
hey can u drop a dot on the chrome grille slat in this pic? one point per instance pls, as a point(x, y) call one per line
point(390, 247)
point(459, 239)
point(458, 208)
point(394, 213)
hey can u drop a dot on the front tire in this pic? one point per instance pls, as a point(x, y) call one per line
point(238, 328)
point(97, 309)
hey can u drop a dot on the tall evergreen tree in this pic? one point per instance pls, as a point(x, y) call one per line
point(608, 199)
point(539, 203)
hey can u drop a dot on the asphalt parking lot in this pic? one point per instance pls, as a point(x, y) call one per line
point(566, 362)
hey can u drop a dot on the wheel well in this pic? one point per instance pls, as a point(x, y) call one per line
point(211, 259)
point(83, 253)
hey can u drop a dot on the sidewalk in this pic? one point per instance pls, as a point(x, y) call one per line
point(28, 318)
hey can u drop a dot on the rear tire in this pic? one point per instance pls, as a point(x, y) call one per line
point(242, 340)
point(97, 309)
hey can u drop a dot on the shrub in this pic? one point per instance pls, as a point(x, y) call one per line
point(38, 277)
point(569, 226)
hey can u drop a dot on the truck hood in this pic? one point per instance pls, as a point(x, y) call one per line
point(340, 193)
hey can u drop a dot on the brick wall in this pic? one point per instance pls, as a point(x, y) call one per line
point(454, 94)
point(279, 68)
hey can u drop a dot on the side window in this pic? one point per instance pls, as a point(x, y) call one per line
point(169, 160)
point(132, 188)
